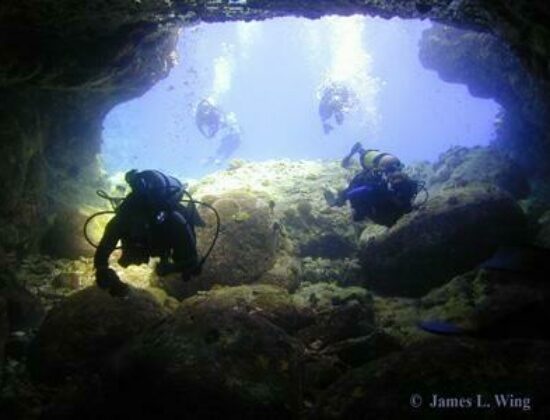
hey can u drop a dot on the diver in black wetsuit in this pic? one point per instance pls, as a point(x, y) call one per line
point(208, 118)
point(380, 192)
point(150, 222)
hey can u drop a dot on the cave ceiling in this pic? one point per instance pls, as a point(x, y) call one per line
point(124, 44)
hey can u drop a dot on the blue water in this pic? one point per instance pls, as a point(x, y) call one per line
point(269, 74)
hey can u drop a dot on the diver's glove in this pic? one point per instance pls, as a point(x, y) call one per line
point(107, 279)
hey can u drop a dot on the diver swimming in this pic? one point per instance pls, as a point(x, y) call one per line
point(151, 221)
point(381, 192)
point(229, 132)
point(208, 118)
point(336, 100)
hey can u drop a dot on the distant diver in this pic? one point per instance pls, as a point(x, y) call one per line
point(150, 222)
point(230, 140)
point(208, 118)
point(337, 99)
point(381, 192)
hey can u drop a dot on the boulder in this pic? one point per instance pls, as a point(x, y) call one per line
point(490, 303)
point(272, 302)
point(246, 244)
point(25, 311)
point(460, 166)
point(456, 230)
point(286, 273)
point(209, 362)
point(64, 238)
point(345, 272)
point(358, 351)
point(402, 384)
point(341, 313)
point(84, 330)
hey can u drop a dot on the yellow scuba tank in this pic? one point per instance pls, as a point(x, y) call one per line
point(369, 159)
point(375, 160)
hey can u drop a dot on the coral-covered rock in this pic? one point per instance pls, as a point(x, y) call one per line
point(460, 166)
point(341, 313)
point(83, 331)
point(453, 232)
point(449, 368)
point(295, 191)
point(491, 304)
point(285, 273)
point(271, 302)
point(360, 350)
point(345, 272)
point(210, 362)
point(247, 240)
point(345, 321)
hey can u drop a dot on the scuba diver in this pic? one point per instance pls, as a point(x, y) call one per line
point(230, 140)
point(208, 118)
point(150, 222)
point(336, 100)
point(380, 192)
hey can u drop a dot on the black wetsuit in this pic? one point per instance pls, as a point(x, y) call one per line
point(372, 196)
point(151, 222)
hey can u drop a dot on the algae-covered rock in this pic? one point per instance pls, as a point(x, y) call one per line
point(247, 240)
point(210, 362)
point(79, 334)
point(344, 272)
point(326, 296)
point(453, 232)
point(449, 368)
point(341, 313)
point(271, 302)
point(295, 191)
point(360, 350)
point(398, 317)
point(461, 166)
point(285, 273)
point(491, 303)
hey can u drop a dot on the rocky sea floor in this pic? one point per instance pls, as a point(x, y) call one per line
point(298, 312)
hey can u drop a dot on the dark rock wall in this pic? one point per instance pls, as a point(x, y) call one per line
point(56, 89)
point(490, 69)
point(65, 63)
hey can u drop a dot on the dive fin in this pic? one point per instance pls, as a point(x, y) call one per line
point(442, 328)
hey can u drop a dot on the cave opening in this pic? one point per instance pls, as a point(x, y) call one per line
point(301, 310)
point(268, 78)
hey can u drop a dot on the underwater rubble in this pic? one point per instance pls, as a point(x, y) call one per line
point(278, 326)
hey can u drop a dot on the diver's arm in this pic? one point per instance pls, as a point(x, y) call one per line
point(107, 244)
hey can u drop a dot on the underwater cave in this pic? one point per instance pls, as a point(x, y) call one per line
point(318, 287)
